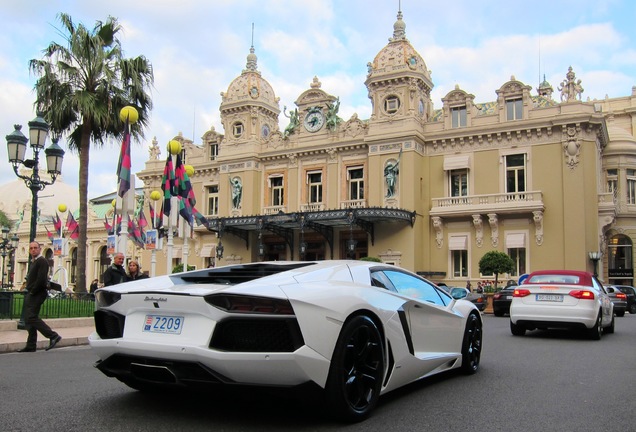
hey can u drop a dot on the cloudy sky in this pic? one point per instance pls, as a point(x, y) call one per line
point(197, 47)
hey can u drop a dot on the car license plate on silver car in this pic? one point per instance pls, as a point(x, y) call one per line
point(163, 324)
point(550, 297)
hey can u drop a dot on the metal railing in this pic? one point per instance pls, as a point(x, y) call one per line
point(73, 305)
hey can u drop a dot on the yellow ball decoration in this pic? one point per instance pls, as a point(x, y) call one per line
point(174, 147)
point(130, 113)
point(114, 202)
point(189, 169)
point(155, 195)
point(62, 208)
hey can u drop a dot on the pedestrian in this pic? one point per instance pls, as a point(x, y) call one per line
point(37, 293)
point(115, 273)
point(134, 271)
point(93, 286)
point(468, 286)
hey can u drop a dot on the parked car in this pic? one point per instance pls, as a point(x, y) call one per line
point(630, 293)
point(501, 301)
point(355, 329)
point(619, 298)
point(562, 299)
point(475, 298)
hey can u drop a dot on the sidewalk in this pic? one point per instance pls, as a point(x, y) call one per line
point(74, 331)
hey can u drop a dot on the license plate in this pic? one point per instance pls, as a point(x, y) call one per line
point(163, 324)
point(550, 297)
point(508, 297)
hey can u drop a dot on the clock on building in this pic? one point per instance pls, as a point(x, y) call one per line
point(314, 120)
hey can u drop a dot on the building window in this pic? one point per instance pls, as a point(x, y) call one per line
point(518, 256)
point(514, 109)
point(214, 151)
point(459, 261)
point(213, 200)
point(391, 104)
point(516, 173)
point(631, 186)
point(355, 178)
point(314, 186)
point(237, 129)
point(277, 191)
point(612, 181)
point(73, 278)
point(458, 117)
point(104, 262)
point(458, 183)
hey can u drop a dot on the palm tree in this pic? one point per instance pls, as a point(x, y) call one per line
point(81, 88)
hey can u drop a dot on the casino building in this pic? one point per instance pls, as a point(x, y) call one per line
point(537, 173)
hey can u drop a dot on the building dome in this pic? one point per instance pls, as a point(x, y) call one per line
point(249, 88)
point(16, 198)
point(620, 142)
point(398, 57)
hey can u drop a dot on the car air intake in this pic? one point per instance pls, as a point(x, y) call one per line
point(257, 335)
point(109, 325)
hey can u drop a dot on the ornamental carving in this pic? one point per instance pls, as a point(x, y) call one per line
point(538, 226)
point(494, 229)
point(439, 230)
point(479, 230)
point(571, 139)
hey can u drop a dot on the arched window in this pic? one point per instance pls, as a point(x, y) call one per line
point(620, 262)
point(104, 262)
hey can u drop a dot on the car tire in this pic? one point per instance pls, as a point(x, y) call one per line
point(596, 332)
point(517, 330)
point(632, 309)
point(610, 329)
point(356, 371)
point(498, 313)
point(620, 314)
point(471, 345)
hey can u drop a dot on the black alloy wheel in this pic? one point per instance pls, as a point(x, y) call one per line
point(596, 332)
point(471, 346)
point(517, 330)
point(356, 371)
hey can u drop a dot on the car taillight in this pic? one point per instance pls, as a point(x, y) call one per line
point(582, 294)
point(497, 296)
point(621, 296)
point(521, 292)
point(480, 300)
point(250, 304)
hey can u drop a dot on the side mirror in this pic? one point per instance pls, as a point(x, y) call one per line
point(459, 294)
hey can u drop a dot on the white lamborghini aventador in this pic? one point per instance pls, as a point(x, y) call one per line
point(355, 329)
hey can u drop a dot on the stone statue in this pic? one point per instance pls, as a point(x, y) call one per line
point(154, 150)
point(570, 88)
point(294, 121)
point(391, 171)
point(237, 192)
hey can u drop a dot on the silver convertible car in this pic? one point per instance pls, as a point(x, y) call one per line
point(355, 329)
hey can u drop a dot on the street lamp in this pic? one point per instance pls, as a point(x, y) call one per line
point(7, 246)
point(16, 148)
point(595, 256)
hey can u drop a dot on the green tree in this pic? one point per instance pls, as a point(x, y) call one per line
point(4, 220)
point(496, 262)
point(81, 88)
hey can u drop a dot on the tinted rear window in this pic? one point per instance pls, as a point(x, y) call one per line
point(559, 279)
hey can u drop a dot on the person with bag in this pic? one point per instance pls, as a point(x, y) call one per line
point(115, 273)
point(37, 293)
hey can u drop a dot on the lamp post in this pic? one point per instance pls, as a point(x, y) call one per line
point(595, 256)
point(16, 148)
point(7, 246)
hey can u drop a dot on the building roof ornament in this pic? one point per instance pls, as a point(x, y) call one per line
point(570, 87)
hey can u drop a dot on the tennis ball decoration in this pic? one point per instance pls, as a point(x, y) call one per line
point(155, 195)
point(189, 169)
point(174, 147)
point(114, 202)
point(62, 208)
point(130, 113)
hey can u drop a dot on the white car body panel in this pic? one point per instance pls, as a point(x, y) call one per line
point(323, 296)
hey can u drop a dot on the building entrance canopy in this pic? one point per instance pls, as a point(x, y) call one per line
point(323, 222)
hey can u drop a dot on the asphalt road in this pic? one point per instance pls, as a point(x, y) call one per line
point(545, 381)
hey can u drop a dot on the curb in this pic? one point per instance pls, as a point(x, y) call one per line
point(42, 344)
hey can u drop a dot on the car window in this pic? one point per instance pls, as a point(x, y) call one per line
point(598, 286)
point(416, 288)
point(547, 278)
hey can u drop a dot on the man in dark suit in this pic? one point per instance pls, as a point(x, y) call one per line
point(36, 282)
point(115, 273)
